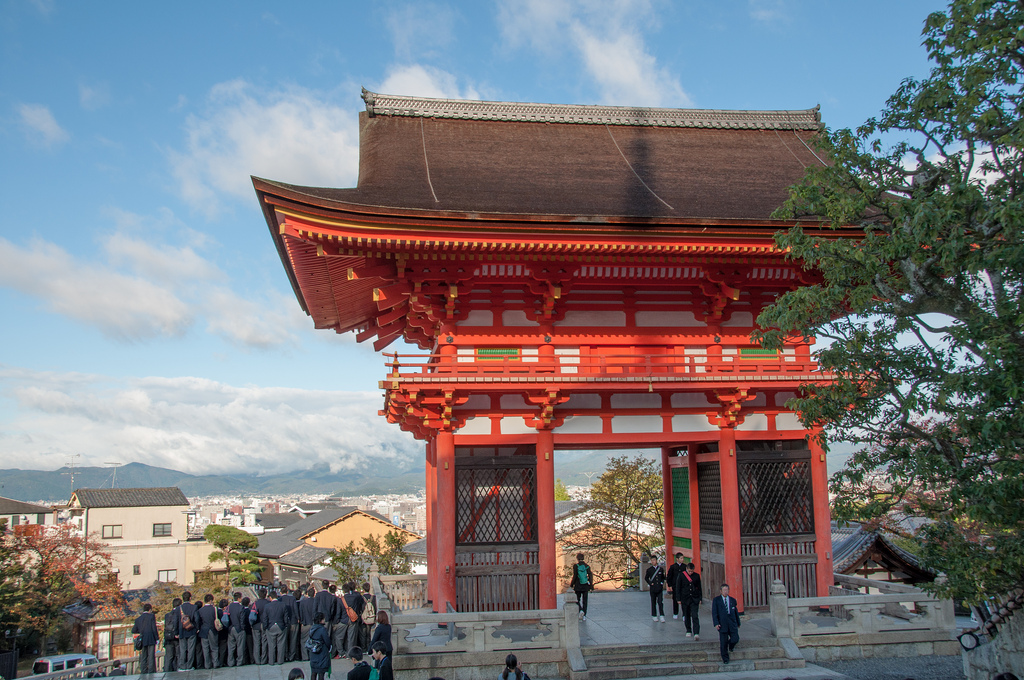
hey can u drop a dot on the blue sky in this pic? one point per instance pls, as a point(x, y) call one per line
point(144, 313)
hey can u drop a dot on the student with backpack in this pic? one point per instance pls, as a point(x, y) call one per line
point(369, 617)
point(582, 583)
point(319, 647)
point(172, 624)
point(187, 633)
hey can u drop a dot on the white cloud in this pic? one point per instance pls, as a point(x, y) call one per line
point(45, 7)
point(147, 288)
point(418, 30)
point(120, 306)
point(93, 97)
point(195, 425)
point(40, 126)
point(417, 80)
point(768, 11)
point(294, 135)
point(608, 38)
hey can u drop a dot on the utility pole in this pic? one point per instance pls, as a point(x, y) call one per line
point(590, 477)
point(113, 484)
point(71, 464)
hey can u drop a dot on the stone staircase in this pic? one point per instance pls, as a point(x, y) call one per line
point(611, 662)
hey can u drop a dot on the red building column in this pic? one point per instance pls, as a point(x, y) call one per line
point(822, 517)
point(730, 515)
point(444, 520)
point(431, 483)
point(691, 462)
point(668, 504)
point(546, 518)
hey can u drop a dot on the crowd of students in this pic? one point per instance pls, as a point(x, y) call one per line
point(274, 629)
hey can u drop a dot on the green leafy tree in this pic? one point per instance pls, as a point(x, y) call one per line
point(561, 493)
point(923, 313)
point(387, 552)
point(622, 519)
point(349, 563)
point(237, 549)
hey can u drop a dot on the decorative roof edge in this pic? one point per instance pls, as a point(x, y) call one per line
point(423, 107)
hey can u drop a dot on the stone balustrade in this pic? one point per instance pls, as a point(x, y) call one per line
point(903, 623)
point(129, 664)
point(406, 592)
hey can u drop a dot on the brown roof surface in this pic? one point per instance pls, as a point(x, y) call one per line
point(129, 498)
point(9, 506)
point(736, 168)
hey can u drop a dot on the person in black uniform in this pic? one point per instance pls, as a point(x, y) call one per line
point(353, 629)
point(655, 578)
point(247, 657)
point(172, 623)
point(360, 669)
point(259, 630)
point(223, 633)
point(690, 595)
point(277, 626)
point(326, 603)
point(307, 610)
point(187, 632)
point(339, 624)
point(382, 662)
point(206, 615)
point(145, 628)
point(670, 581)
point(236, 631)
point(292, 634)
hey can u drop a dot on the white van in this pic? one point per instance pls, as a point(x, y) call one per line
point(62, 662)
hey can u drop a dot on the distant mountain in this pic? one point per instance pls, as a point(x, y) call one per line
point(55, 485)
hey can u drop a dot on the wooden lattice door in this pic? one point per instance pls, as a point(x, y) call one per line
point(496, 567)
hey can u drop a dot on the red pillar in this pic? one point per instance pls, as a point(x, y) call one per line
point(691, 461)
point(730, 515)
point(546, 518)
point(444, 520)
point(822, 518)
point(431, 483)
point(667, 504)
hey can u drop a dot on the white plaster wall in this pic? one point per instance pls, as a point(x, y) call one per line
point(787, 421)
point(636, 424)
point(516, 317)
point(692, 423)
point(476, 426)
point(647, 319)
point(636, 400)
point(755, 422)
point(581, 425)
point(515, 425)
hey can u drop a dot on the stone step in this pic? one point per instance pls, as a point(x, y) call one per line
point(682, 656)
point(684, 644)
point(671, 669)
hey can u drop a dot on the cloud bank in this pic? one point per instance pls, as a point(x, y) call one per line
point(194, 425)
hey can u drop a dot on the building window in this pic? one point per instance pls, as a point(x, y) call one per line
point(111, 531)
point(136, 569)
point(167, 575)
point(161, 529)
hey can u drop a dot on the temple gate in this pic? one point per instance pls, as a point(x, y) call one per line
point(578, 277)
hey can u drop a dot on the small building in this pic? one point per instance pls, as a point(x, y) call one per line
point(295, 551)
point(16, 513)
point(103, 630)
point(146, 532)
point(875, 554)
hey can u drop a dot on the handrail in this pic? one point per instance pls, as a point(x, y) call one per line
point(130, 664)
point(590, 365)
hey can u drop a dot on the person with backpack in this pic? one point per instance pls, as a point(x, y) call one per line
point(209, 628)
point(655, 578)
point(582, 583)
point(187, 633)
point(172, 623)
point(369, 617)
point(319, 647)
point(352, 605)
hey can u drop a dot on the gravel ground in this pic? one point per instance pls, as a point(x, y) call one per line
point(917, 668)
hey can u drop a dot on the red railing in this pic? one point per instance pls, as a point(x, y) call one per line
point(636, 366)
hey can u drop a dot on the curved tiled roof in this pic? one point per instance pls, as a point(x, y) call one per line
point(581, 114)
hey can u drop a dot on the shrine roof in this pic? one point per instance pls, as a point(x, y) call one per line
point(470, 159)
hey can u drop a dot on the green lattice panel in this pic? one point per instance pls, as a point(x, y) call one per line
point(681, 498)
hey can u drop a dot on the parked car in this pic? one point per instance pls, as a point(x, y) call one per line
point(62, 662)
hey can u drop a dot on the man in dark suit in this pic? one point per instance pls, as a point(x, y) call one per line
point(208, 637)
point(353, 629)
point(726, 619)
point(690, 594)
point(307, 610)
point(145, 628)
point(259, 630)
point(236, 631)
point(187, 633)
point(172, 626)
point(292, 634)
point(277, 625)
